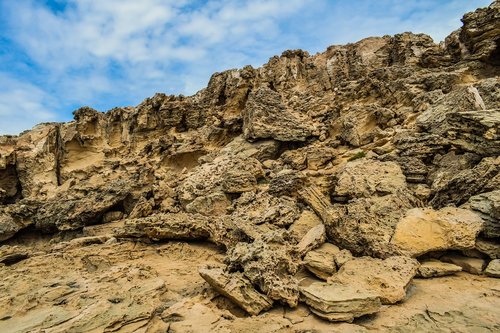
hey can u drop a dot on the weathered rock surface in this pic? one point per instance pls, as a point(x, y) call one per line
point(265, 116)
point(487, 205)
point(493, 268)
point(389, 278)
point(321, 262)
point(273, 165)
point(337, 302)
point(424, 230)
point(435, 268)
point(470, 265)
point(238, 289)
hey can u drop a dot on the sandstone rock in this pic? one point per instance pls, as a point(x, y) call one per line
point(389, 278)
point(303, 224)
point(466, 183)
point(165, 227)
point(365, 226)
point(286, 182)
point(238, 289)
point(424, 230)
point(487, 205)
point(493, 268)
point(71, 214)
point(319, 203)
point(112, 216)
point(238, 182)
point(350, 139)
point(267, 266)
point(488, 247)
point(8, 226)
point(312, 239)
point(265, 116)
point(218, 175)
point(212, 204)
point(321, 262)
point(10, 255)
point(342, 257)
point(479, 28)
point(470, 265)
point(435, 268)
point(364, 178)
point(337, 302)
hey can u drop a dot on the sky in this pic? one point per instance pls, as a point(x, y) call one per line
point(59, 55)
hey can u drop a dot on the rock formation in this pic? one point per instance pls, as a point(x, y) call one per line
point(316, 184)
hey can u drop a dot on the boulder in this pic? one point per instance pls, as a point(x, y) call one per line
point(268, 266)
point(238, 289)
point(364, 178)
point(435, 268)
point(306, 221)
point(389, 278)
point(312, 239)
point(487, 205)
point(493, 268)
point(321, 262)
point(422, 230)
point(488, 247)
point(470, 265)
point(338, 302)
point(236, 181)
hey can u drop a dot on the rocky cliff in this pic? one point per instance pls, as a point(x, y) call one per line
point(317, 186)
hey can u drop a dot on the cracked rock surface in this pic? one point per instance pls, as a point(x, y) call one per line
point(353, 190)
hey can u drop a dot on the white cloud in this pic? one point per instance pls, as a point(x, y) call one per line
point(107, 53)
point(22, 105)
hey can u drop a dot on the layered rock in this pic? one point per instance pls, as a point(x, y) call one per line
point(386, 148)
point(425, 230)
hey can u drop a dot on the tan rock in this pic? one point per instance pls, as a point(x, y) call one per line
point(493, 268)
point(265, 116)
point(424, 230)
point(312, 239)
point(488, 247)
point(342, 257)
point(365, 178)
point(303, 224)
point(387, 278)
point(235, 181)
point(435, 268)
point(470, 265)
point(321, 262)
point(338, 302)
point(238, 289)
point(166, 226)
point(112, 216)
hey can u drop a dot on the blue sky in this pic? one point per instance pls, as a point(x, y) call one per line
point(58, 55)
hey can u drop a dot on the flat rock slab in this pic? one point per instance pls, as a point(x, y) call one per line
point(312, 239)
point(423, 230)
point(321, 262)
point(493, 269)
point(435, 268)
point(339, 302)
point(238, 289)
point(387, 278)
point(470, 265)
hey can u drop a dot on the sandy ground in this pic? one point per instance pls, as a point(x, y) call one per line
point(138, 287)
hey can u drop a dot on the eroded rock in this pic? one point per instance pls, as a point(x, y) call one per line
point(338, 302)
point(435, 268)
point(389, 278)
point(424, 230)
point(238, 289)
